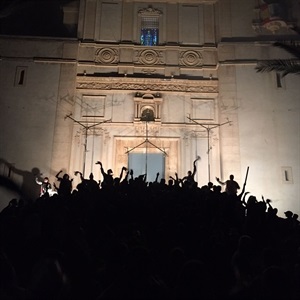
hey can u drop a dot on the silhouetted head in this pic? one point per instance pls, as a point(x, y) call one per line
point(217, 188)
point(35, 171)
point(91, 176)
point(251, 200)
point(109, 172)
point(66, 176)
point(231, 177)
point(117, 180)
point(189, 173)
point(288, 214)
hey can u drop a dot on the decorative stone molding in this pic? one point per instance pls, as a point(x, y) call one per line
point(148, 71)
point(107, 55)
point(153, 129)
point(135, 84)
point(149, 57)
point(190, 58)
point(150, 11)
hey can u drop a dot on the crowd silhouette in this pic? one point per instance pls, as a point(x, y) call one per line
point(126, 238)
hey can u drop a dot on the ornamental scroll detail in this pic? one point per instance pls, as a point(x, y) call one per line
point(138, 86)
point(190, 58)
point(150, 11)
point(107, 55)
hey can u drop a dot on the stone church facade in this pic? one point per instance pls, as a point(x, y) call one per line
point(151, 86)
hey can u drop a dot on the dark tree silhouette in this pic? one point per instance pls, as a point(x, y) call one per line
point(285, 66)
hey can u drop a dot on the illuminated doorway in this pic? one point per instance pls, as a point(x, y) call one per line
point(150, 164)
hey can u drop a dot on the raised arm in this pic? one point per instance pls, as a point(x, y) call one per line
point(81, 176)
point(38, 181)
point(101, 168)
point(144, 176)
point(194, 166)
point(176, 179)
point(126, 176)
point(55, 186)
point(219, 181)
point(268, 202)
point(122, 171)
point(57, 175)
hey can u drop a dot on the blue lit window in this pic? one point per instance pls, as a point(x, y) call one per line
point(149, 31)
point(149, 37)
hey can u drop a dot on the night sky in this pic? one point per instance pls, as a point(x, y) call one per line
point(33, 18)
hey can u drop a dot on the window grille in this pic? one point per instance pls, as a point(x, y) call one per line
point(149, 31)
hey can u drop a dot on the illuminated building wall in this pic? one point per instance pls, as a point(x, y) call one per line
point(69, 102)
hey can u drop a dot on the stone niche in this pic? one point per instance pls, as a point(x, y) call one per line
point(147, 107)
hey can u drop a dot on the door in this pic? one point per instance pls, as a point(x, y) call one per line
point(149, 164)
